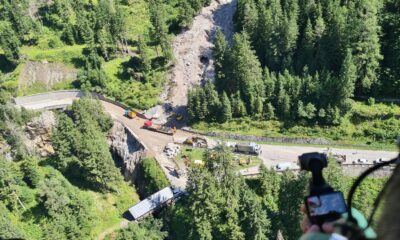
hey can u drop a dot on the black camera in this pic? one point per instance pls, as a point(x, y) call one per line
point(324, 204)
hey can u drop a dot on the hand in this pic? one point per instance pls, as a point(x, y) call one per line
point(308, 227)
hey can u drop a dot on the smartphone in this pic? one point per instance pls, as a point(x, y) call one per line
point(326, 207)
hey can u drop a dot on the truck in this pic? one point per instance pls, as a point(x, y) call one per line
point(159, 128)
point(248, 148)
point(130, 114)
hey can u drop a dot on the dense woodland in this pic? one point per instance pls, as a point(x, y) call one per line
point(296, 61)
point(302, 61)
point(73, 194)
point(123, 58)
point(222, 205)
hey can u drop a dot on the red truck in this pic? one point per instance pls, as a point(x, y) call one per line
point(159, 128)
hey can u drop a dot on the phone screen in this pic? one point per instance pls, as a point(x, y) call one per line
point(331, 203)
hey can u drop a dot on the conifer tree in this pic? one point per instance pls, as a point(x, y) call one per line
point(220, 53)
point(347, 78)
point(364, 39)
point(9, 42)
point(144, 54)
point(226, 109)
point(245, 74)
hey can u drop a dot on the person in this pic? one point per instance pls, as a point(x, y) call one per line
point(331, 230)
point(388, 224)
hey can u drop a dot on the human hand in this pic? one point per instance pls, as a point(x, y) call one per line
point(308, 227)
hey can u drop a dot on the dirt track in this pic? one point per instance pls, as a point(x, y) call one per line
point(193, 51)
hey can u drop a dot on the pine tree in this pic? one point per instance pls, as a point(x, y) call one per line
point(291, 192)
point(144, 54)
point(219, 53)
point(390, 41)
point(203, 203)
point(254, 219)
point(212, 102)
point(306, 51)
point(9, 42)
point(226, 109)
point(245, 74)
point(159, 31)
point(364, 33)
point(347, 77)
point(258, 107)
point(186, 13)
point(269, 111)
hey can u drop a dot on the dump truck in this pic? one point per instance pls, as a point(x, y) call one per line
point(248, 148)
point(159, 128)
point(130, 114)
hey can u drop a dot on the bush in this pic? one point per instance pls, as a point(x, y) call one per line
point(151, 178)
point(371, 101)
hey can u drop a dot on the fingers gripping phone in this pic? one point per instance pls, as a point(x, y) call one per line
point(325, 207)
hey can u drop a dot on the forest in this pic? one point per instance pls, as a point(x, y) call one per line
point(120, 48)
point(222, 205)
point(294, 68)
point(306, 63)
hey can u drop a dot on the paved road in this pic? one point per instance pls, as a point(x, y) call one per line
point(155, 142)
point(274, 154)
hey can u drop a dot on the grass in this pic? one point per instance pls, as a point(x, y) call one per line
point(197, 154)
point(108, 208)
point(137, 20)
point(369, 127)
point(65, 54)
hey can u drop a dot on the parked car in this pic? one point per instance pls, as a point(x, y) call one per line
point(361, 161)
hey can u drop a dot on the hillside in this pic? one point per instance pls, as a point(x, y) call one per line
point(121, 48)
point(162, 88)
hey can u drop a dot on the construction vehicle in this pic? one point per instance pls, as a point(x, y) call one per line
point(159, 128)
point(248, 148)
point(340, 159)
point(244, 161)
point(196, 141)
point(130, 114)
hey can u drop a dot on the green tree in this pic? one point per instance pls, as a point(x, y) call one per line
point(291, 194)
point(152, 177)
point(8, 230)
point(226, 109)
point(9, 42)
point(364, 33)
point(347, 77)
point(186, 13)
point(254, 219)
point(203, 204)
point(144, 54)
point(149, 228)
point(219, 53)
point(69, 212)
point(245, 71)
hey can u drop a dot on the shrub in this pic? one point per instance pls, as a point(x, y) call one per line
point(151, 177)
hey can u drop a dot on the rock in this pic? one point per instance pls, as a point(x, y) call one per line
point(5, 151)
point(126, 148)
point(45, 73)
point(39, 131)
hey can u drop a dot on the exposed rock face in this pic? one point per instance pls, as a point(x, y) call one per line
point(39, 131)
point(5, 151)
point(46, 73)
point(125, 147)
